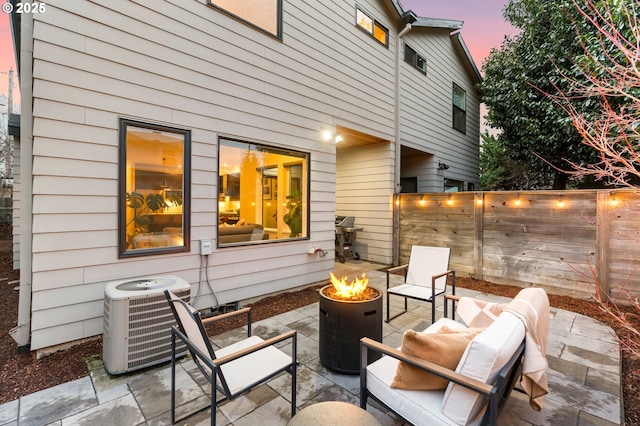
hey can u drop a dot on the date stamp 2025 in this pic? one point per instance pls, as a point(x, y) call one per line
point(28, 7)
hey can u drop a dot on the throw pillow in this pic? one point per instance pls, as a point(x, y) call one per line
point(444, 348)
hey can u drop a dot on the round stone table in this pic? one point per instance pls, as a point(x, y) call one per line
point(333, 413)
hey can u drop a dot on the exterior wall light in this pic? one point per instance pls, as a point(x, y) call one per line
point(442, 166)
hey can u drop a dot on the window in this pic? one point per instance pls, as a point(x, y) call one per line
point(459, 109)
point(370, 26)
point(266, 15)
point(263, 193)
point(154, 189)
point(452, 185)
point(415, 59)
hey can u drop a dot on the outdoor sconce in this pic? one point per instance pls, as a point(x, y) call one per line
point(449, 201)
point(442, 166)
point(422, 201)
point(339, 138)
point(560, 202)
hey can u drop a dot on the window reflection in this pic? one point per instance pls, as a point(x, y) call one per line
point(153, 184)
point(262, 193)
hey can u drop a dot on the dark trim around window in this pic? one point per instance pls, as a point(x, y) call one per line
point(168, 188)
point(376, 28)
point(414, 59)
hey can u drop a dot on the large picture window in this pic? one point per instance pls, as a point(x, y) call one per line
point(154, 189)
point(262, 193)
point(263, 14)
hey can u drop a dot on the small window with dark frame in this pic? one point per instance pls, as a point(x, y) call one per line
point(154, 189)
point(459, 109)
point(369, 25)
point(265, 15)
point(414, 59)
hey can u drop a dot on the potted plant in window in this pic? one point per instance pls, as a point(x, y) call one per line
point(293, 218)
point(142, 207)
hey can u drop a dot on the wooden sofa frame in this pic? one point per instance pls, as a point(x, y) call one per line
point(496, 393)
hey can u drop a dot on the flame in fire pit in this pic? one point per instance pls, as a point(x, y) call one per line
point(350, 290)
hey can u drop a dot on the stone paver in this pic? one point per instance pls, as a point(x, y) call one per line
point(583, 374)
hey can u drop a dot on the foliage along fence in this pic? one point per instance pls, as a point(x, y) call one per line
point(569, 242)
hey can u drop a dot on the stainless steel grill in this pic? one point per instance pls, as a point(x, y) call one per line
point(346, 237)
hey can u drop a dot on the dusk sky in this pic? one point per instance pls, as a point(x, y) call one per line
point(484, 28)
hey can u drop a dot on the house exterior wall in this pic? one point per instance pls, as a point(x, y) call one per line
point(364, 184)
point(186, 65)
point(426, 112)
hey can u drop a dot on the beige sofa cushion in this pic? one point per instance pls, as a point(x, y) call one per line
point(444, 348)
point(487, 353)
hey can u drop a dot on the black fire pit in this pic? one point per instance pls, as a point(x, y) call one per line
point(342, 324)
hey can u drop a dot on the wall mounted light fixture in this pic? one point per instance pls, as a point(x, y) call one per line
point(442, 166)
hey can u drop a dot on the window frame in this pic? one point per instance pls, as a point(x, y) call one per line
point(414, 59)
point(123, 250)
point(303, 156)
point(277, 34)
point(375, 24)
point(460, 124)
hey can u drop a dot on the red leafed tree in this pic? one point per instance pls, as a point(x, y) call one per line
point(608, 73)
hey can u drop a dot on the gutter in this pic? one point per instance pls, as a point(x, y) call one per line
point(22, 332)
point(408, 18)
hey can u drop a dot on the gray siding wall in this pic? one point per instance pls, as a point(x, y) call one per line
point(187, 65)
point(364, 188)
point(426, 112)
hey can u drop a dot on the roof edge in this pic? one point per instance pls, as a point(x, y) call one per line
point(457, 39)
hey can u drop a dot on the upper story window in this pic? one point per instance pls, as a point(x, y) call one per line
point(154, 189)
point(415, 59)
point(263, 14)
point(262, 193)
point(459, 109)
point(371, 26)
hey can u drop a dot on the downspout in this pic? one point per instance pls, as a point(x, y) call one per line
point(396, 191)
point(22, 332)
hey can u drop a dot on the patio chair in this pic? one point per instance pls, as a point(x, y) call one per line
point(234, 369)
point(476, 387)
point(425, 277)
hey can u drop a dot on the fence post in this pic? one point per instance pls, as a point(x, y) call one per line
point(603, 230)
point(478, 219)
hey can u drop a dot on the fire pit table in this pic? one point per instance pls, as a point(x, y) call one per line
point(345, 318)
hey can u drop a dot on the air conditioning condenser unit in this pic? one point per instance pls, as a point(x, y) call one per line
point(138, 320)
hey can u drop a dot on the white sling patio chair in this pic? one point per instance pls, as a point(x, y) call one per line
point(425, 278)
point(234, 369)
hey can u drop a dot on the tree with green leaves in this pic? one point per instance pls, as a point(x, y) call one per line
point(536, 131)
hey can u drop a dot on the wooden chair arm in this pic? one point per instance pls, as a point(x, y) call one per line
point(452, 297)
point(430, 367)
point(397, 268)
point(254, 348)
point(225, 316)
point(449, 272)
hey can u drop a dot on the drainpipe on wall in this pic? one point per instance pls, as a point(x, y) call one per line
point(22, 332)
point(408, 18)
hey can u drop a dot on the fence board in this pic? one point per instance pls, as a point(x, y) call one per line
point(551, 239)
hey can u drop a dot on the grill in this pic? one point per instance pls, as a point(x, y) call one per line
point(346, 237)
point(342, 324)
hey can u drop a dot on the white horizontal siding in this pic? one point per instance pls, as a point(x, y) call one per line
point(188, 65)
point(365, 192)
point(426, 112)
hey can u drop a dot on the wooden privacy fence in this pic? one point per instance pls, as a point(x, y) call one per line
point(569, 242)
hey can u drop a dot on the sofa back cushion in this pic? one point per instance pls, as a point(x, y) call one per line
point(485, 356)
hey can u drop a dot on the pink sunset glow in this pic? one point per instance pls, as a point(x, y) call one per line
point(484, 27)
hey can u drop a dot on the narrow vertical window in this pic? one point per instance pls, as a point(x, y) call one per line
point(154, 189)
point(459, 109)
